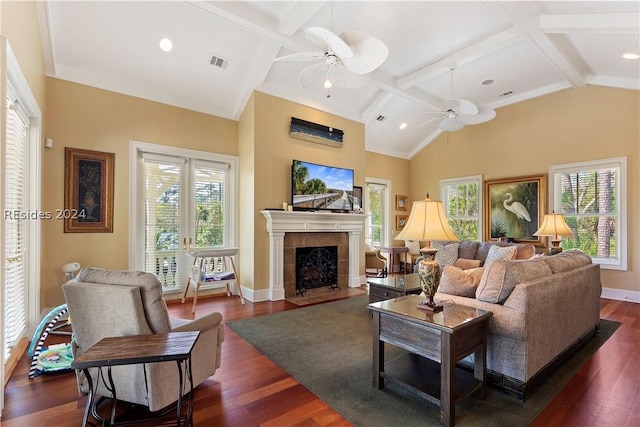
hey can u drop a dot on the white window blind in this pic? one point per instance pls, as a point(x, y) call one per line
point(592, 196)
point(15, 286)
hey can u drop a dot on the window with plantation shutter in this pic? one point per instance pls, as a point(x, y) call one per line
point(592, 197)
point(184, 201)
point(462, 199)
point(15, 239)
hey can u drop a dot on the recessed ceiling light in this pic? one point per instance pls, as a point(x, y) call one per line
point(166, 45)
point(403, 125)
point(487, 82)
point(631, 56)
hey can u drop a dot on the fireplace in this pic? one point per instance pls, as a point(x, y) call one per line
point(296, 243)
point(316, 267)
point(312, 229)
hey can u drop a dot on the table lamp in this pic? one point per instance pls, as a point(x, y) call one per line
point(555, 225)
point(427, 221)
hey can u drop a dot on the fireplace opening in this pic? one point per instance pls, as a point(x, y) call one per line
point(316, 267)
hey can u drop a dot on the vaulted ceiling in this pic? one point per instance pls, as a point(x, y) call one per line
point(501, 53)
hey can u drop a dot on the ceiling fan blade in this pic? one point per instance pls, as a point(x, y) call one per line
point(461, 106)
point(484, 115)
point(310, 74)
point(302, 57)
point(450, 124)
point(328, 41)
point(341, 77)
point(369, 52)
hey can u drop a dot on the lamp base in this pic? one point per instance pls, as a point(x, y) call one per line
point(428, 307)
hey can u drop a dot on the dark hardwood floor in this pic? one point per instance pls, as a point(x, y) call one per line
point(249, 390)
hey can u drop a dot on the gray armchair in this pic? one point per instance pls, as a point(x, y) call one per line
point(104, 303)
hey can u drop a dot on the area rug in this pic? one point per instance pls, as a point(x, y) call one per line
point(328, 348)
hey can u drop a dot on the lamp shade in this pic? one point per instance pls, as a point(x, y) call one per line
point(427, 221)
point(554, 224)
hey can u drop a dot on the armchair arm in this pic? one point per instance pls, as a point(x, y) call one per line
point(204, 323)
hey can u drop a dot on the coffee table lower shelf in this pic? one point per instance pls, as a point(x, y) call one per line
point(422, 376)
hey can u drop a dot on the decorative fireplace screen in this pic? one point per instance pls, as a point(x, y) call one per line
point(316, 267)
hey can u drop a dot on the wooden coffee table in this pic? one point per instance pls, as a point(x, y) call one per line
point(393, 286)
point(436, 341)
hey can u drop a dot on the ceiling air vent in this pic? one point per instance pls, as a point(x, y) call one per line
point(381, 118)
point(507, 93)
point(219, 62)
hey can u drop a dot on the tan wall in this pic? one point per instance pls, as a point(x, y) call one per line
point(94, 119)
point(398, 172)
point(274, 151)
point(19, 24)
point(573, 125)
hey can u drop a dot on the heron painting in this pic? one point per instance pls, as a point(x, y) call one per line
point(513, 208)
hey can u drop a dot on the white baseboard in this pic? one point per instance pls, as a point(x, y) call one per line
point(620, 295)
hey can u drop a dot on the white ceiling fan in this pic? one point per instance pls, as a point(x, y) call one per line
point(346, 60)
point(460, 112)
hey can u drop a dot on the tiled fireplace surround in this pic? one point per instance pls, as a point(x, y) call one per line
point(288, 230)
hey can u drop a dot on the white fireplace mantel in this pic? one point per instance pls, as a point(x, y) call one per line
point(281, 222)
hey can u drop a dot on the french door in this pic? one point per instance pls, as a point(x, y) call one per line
point(185, 201)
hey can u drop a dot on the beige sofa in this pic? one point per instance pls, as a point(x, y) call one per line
point(543, 308)
point(107, 303)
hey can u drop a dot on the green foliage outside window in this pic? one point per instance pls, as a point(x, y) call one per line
point(462, 204)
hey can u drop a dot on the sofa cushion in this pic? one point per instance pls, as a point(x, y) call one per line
point(466, 264)
point(500, 277)
point(467, 249)
point(455, 281)
point(496, 253)
point(446, 255)
point(565, 261)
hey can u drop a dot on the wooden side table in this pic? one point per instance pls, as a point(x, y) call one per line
point(199, 254)
point(390, 253)
point(436, 341)
point(382, 288)
point(134, 349)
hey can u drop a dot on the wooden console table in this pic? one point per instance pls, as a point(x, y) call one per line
point(436, 341)
point(390, 252)
point(134, 349)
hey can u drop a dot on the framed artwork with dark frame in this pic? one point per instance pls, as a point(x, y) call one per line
point(514, 207)
point(401, 221)
point(88, 191)
point(401, 202)
point(357, 201)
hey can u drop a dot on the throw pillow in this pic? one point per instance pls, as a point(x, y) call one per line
point(447, 255)
point(497, 252)
point(455, 281)
point(501, 277)
point(466, 264)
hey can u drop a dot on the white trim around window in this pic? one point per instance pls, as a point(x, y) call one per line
point(444, 187)
point(617, 164)
point(388, 217)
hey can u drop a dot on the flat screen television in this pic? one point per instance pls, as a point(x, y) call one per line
point(320, 187)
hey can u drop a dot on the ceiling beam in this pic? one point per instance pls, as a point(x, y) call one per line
point(386, 82)
point(470, 53)
point(624, 23)
point(525, 16)
point(299, 15)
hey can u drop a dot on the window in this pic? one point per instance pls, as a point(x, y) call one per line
point(592, 197)
point(462, 198)
point(20, 230)
point(185, 199)
point(376, 200)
